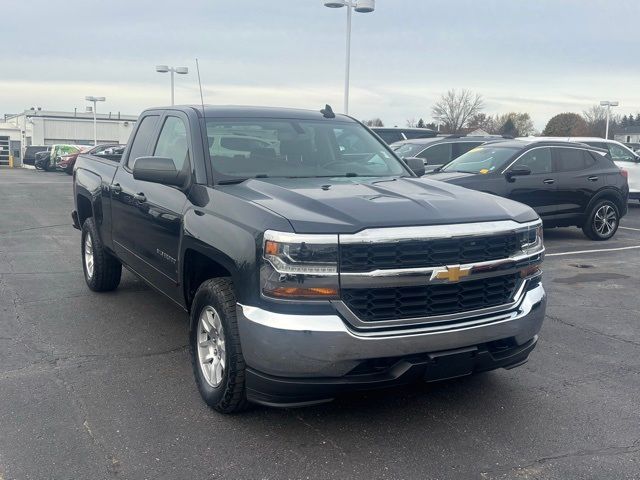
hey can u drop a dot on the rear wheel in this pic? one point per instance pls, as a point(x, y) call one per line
point(602, 222)
point(216, 354)
point(102, 271)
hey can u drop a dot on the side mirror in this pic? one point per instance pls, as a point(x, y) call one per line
point(158, 170)
point(517, 172)
point(415, 164)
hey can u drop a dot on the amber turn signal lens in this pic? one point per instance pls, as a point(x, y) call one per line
point(529, 271)
point(270, 247)
point(299, 292)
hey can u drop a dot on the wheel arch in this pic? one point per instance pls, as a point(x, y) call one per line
point(606, 193)
point(201, 262)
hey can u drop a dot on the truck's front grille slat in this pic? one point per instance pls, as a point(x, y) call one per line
point(367, 257)
point(398, 303)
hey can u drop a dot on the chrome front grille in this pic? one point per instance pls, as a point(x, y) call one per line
point(399, 303)
point(426, 253)
point(393, 277)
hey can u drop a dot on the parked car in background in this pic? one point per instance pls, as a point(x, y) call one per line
point(622, 155)
point(42, 160)
point(30, 153)
point(55, 154)
point(310, 267)
point(438, 151)
point(67, 162)
point(396, 134)
point(567, 184)
point(632, 146)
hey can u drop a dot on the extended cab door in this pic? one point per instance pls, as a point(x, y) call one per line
point(538, 190)
point(148, 216)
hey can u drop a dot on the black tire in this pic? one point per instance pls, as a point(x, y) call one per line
point(69, 170)
point(106, 269)
point(593, 226)
point(229, 395)
point(42, 165)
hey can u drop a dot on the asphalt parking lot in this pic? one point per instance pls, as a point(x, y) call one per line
point(100, 385)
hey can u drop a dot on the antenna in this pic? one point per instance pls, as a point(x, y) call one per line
point(200, 85)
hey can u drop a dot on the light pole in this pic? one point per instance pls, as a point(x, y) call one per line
point(172, 70)
point(95, 100)
point(361, 6)
point(608, 104)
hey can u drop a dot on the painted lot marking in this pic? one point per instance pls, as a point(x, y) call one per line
point(592, 251)
point(629, 228)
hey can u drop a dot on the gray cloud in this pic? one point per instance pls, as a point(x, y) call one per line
point(543, 57)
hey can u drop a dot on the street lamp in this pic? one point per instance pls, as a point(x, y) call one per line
point(95, 100)
point(178, 70)
point(360, 6)
point(608, 104)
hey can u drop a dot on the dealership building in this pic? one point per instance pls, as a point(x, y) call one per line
point(44, 127)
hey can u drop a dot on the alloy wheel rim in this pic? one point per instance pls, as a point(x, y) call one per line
point(605, 220)
point(211, 346)
point(88, 255)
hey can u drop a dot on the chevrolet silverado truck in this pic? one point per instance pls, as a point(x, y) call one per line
point(311, 260)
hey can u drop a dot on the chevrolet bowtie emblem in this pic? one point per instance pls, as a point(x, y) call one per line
point(452, 273)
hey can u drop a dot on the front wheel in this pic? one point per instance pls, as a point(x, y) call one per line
point(102, 270)
point(602, 221)
point(216, 354)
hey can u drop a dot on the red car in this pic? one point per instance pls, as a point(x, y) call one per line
point(67, 162)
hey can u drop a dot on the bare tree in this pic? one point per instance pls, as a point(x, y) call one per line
point(374, 122)
point(484, 122)
point(455, 108)
point(523, 125)
point(411, 122)
point(596, 118)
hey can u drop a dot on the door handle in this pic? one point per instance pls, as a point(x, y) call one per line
point(593, 178)
point(139, 197)
point(548, 181)
point(116, 188)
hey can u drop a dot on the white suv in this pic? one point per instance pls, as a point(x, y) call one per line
point(622, 156)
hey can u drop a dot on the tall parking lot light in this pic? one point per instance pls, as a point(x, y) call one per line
point(172, 70)
point(361, 6)
point(95, 101)
point(608, 104)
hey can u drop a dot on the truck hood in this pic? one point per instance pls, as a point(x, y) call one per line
point(347, 205)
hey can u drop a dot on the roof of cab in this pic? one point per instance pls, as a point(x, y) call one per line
point(236, 111)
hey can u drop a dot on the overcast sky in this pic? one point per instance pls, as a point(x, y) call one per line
point(543, 57)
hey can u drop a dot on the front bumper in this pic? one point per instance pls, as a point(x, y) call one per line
point(298, 359)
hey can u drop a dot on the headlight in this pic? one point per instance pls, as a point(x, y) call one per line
point(531, 238)
point(531, 243)
point(299, 267)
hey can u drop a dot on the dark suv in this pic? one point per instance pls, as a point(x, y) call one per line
point(566, 183)
point(438, 151)
point(395, 134)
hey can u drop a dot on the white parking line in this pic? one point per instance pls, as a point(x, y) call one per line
point(592, 251)
point(629, 228)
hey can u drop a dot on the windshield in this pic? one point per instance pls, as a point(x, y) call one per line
point(408, 149)
point(485, 159)
point(247, 148)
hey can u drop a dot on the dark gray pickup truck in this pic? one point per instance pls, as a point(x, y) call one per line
point(311, 259)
